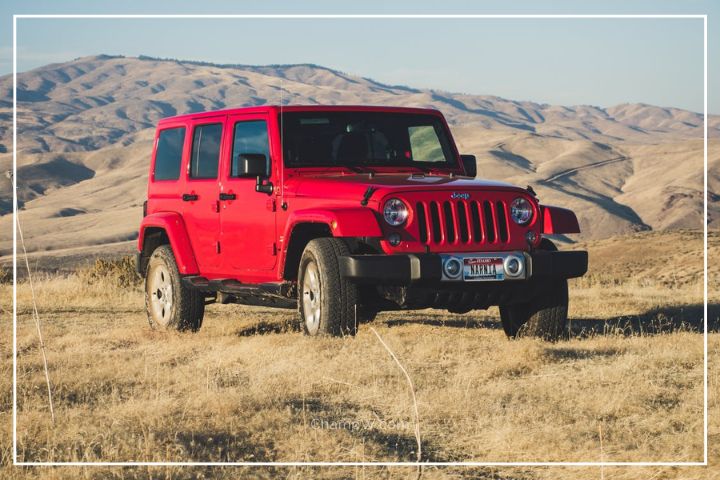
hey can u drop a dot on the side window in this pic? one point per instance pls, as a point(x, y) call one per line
point(425, 144)
point(206, 151)
point(249, 137)
point(168, 154)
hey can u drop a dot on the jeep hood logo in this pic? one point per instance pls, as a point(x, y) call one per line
point(458, 195)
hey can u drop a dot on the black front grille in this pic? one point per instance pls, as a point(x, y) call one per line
point(463, 222)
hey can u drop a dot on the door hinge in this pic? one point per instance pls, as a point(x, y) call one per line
point(272, 249)
point(271, 205)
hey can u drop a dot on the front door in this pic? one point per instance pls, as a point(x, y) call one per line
point(200, 195)
point(247, 217)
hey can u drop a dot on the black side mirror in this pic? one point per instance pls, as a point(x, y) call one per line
point(255, 165)
point(469, 165)
point(252, 165)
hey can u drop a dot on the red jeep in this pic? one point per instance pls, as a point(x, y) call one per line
point(342, 212)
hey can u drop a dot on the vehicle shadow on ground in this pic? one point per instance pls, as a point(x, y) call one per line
point(657, 321)
point(441, 322)
point(688, 318)
point(662, 320)
point(267, 328)
point(440, 318)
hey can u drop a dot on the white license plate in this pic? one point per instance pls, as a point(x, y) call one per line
point(483, 269)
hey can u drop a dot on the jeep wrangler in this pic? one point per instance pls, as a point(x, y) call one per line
point(342, 212)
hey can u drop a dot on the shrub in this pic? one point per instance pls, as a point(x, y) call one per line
point(6, 275)
point(119, 272)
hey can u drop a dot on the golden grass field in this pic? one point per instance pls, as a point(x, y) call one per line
point(626, 386)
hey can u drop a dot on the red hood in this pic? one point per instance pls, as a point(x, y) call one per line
point(353, 186)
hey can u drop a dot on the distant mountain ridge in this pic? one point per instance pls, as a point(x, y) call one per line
point(85, 126)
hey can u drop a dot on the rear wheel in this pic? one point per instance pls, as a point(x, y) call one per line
point(170, 305)
point(327, 302)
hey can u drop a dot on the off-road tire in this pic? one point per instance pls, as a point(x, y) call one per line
point(331, 301)
point(545, 316)
point(186, 308)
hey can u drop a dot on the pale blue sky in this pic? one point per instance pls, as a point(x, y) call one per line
point(560, 61)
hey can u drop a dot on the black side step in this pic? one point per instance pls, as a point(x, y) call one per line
point(278, 295)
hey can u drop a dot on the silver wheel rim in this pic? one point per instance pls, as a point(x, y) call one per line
point(311, 297)
point(161, 295)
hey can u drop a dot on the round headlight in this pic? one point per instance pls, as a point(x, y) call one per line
point(521, 211)
point(395, 212)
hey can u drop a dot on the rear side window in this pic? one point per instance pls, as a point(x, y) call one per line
point(169, 154)
point(249, 137)
point(206, 151)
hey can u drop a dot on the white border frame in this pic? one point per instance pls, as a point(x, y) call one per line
point(370, 464)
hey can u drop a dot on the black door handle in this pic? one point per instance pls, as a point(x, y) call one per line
point(228, 196)
point(189, 197)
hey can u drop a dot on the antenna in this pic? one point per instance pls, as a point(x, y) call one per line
point(282, 132)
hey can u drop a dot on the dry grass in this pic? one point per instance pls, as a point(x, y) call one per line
point(247, 387)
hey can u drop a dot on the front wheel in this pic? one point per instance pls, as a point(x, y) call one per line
point(327, 302)
point(545, 316)
point(170, 305)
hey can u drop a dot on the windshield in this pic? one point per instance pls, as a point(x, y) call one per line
point(359, 139)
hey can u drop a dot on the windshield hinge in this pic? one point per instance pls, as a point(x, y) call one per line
point(367, 195)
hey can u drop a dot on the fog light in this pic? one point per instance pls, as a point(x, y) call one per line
point(531, 237)
point(453, 267)
point(394, 239)
point(513, 267)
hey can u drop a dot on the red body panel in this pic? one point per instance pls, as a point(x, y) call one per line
point(248, 237)
point(439, 223)
point(202, 217)
point(558, 220)
point(343, 221)
point(174, 226)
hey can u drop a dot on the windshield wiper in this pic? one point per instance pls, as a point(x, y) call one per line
point(354, 168)
point(359, 168)
point(422, 168)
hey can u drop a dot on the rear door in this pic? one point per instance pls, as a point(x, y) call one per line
point(200, 196)
point(247, 217)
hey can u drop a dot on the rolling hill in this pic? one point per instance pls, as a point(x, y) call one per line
point(85, 131)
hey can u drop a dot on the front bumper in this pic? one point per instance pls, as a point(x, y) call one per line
point(408, 269)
